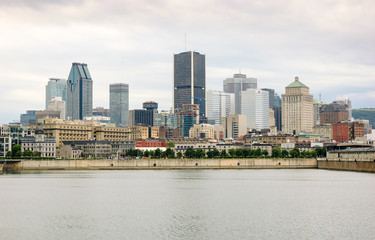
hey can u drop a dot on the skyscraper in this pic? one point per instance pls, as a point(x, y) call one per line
point(255, 106)
point(271, 94)
point(219, 105)
point(297, 108)
point(235, 85)
point(79, 92)
point(119, 104)
point(56, 87)
point(189, 80)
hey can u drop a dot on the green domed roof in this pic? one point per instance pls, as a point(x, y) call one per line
point(297, 84)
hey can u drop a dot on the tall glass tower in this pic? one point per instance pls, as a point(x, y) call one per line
point(79, 92)
point(56, 87)
point(189, 80)
point(119, 104)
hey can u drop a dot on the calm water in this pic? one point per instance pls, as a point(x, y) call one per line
point(188, 204)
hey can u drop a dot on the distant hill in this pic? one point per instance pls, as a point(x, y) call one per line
point(365, 114)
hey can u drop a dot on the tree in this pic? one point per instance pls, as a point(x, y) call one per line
point(257, 152)
point(239, 152)
point(210, 154)
point(27, 153)
point(169, 153)
point(171, 144)
point(146, 153)
point(223, 153)
point(276, 153)
point(15, 149)
point(232, 152)
point(265, 153)
point(294, 153)
point(36, 153)
point(321, 152)
point(179, 154)
point(157, 152)
point(216, 153)
point(284, 153)
point(190, 153)
point(246, 152)
point(200, 153)
point(9, 154)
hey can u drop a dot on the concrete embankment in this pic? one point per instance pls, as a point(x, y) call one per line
point(166, 164)
point(355, 165)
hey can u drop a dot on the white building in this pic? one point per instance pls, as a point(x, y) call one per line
point(254, 104)
point(219, 105)
point(235, 126)
point(57, 104)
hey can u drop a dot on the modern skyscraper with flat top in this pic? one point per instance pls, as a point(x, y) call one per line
point(189, 80)
point(235, 85)
point(119, 104)
point(79, 92)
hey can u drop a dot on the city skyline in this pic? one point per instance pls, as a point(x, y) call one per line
point(332, 53)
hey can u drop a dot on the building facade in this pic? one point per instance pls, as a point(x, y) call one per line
point(255, 105)
point(297, 108)
point(333, 113)
point(119, 104)
point(79, 92)
point(56, 87)
point(271, 96)
point(189, 80)
point(57, 104)
point(203, 131)
point(235, 85)
point(40, 143)
point(235, 126)
point(219, 105)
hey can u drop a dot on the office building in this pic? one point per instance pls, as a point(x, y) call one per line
point(255, 105)
point(56, 104)
point(278, 117)
point(187, 118)
point(277, 101)
point(166, 119)
point(297, 108)
point(348, 104)
point(346, 131)
point(119, 104)
point(333, 113)
point(189, 80)
point(79, 92)
point(202, 131)
point(56, 87)
point(235, 85)
point(235, 126)
point(271, 95)
point(219, 105)
point(317, 105)
point(28, 118)
point(100, 112)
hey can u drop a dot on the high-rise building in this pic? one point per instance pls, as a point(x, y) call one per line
point(317, 105)
point(278, 117)
point(271, 95)
point(255, 105)
point(56, 87)
point(277, 100)
point(333, 113)
point(189, 80)
point(79, 92)
point(348, 104)
point(166, 119)
point(187, 118)
point(143, 117)
point(219, 105)
point(235, 126)
point(235, 85)
point(119, 104)
point(297, 108)
point(56, 104)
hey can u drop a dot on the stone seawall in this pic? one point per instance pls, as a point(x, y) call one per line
point(166, 164)
point(359, 166)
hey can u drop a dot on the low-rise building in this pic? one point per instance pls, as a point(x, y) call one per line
point(120, 147)
point(203, 131)
point(5, 145)
point(275, 140)
point(69, 152)
point(40, 143)
point(92, 148)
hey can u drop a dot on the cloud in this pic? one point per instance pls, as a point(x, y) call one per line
point(328, 44)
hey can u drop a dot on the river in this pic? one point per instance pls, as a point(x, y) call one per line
point(187, 204)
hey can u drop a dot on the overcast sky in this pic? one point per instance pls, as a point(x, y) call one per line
point(329, 44)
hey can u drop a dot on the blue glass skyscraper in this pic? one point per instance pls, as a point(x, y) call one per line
point(79, 92)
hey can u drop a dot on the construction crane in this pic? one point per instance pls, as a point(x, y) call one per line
point(200, 103)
